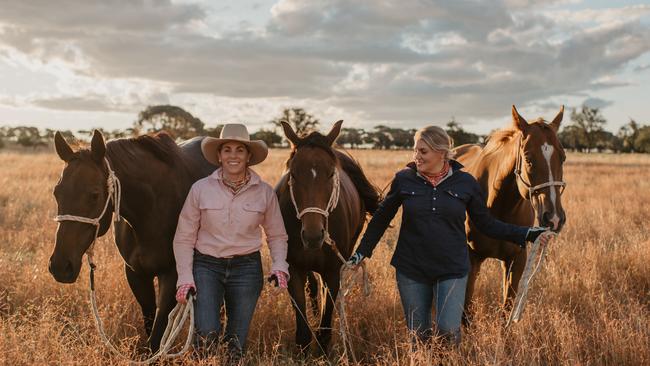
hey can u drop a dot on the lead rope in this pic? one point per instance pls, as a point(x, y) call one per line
point(533, 264)
point(344, 289)
point(175, 322)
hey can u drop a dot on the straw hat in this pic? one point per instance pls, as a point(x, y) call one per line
point(210, 146)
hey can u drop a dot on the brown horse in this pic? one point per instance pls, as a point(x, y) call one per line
point(520, 171)
point(155, 176)
point(324, 197)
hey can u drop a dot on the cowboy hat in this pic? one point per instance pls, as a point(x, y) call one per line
point(237, 132)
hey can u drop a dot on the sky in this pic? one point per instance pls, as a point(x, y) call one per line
point(77, 64)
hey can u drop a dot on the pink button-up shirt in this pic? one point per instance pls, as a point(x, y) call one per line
point(217, 223)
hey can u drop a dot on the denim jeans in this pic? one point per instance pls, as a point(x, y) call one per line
point(417, 300)
point(235, 281)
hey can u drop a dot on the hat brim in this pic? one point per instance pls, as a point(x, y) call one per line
point(210, 147)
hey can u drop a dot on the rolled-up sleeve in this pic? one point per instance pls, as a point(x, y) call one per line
point(276, 234)
point(185, 238)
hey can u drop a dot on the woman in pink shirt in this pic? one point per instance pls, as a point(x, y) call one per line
point(218, 240)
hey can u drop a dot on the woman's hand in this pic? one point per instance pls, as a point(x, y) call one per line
point(182, 291)
point(543, 233)
point(354, 260)
point(279, 279)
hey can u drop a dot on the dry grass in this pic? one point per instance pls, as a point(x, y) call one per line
point(589, 305)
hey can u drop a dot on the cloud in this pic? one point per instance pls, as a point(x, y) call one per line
point(406, 62)
point(597, 103)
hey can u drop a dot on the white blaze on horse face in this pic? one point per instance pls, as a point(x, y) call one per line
point(547, 151)
point(313, 172)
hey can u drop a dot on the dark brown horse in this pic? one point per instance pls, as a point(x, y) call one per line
point(324, 195)
point(520, 171)
point(155, 176)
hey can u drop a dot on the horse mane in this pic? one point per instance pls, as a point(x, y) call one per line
point(367, 191)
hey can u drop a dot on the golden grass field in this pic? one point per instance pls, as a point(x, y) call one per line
point(590, 304)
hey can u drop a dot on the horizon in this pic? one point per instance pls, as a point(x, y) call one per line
point(87, 65)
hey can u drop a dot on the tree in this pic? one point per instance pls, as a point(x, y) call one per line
point(459, 135)
point(271, 138)
point(301, 121)
point(589, 122)
point(214, 131)
point(642, 140)
point(380, 138)
point(351, 136)
point(628, 134)
point(175, 120)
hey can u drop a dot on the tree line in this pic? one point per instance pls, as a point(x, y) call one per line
point(584, 133)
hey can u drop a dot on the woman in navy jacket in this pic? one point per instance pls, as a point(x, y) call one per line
point(431, 258)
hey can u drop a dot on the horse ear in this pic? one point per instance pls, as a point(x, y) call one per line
point(558, 119)
point(519, 122)
point(290, 133)
point(97, 146)
point(62, 148)
point(334, 133)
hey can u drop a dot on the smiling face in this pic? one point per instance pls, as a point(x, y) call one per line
point(234, 157)
point(427, 160)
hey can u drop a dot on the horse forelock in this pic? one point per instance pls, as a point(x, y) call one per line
point(316, 140)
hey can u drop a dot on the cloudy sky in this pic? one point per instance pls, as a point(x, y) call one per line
point(76, 64)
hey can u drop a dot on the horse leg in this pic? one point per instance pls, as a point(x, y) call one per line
point(297, 292)
point(332, 281)
point(313, 289)
point(476, 261)
point(145, 294)
point(166, 302)
point(513, 270)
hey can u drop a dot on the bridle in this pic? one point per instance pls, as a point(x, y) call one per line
point(533, 189)
point(114, 189)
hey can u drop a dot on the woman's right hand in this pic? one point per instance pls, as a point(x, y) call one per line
point(182, 291)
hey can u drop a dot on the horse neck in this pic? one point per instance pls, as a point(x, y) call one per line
point(146, 189)
point(495, 172)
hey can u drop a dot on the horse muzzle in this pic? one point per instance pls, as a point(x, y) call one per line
point(312, 239)
point(64, 271)
point(553, 221)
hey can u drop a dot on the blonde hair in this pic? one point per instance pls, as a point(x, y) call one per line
point(437, 139)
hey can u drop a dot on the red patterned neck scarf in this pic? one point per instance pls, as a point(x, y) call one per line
point(436, 178)
point(235, 186)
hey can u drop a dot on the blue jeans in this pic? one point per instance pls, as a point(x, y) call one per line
point(235, 281)
point(417, 300)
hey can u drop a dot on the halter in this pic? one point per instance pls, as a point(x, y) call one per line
point(114, 189)
point(533, 189)
point(331, 205)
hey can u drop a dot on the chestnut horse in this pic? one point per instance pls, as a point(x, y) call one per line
point(520, 171)
point(324, 197)
point(155, 176)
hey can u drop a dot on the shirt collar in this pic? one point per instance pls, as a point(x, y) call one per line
point(255, 178)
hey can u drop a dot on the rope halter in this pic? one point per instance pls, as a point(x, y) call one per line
point(114, 190)
point(331, 203)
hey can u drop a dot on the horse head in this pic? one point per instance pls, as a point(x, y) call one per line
point(313, 182)
point(538, 168)
point(82, 191)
